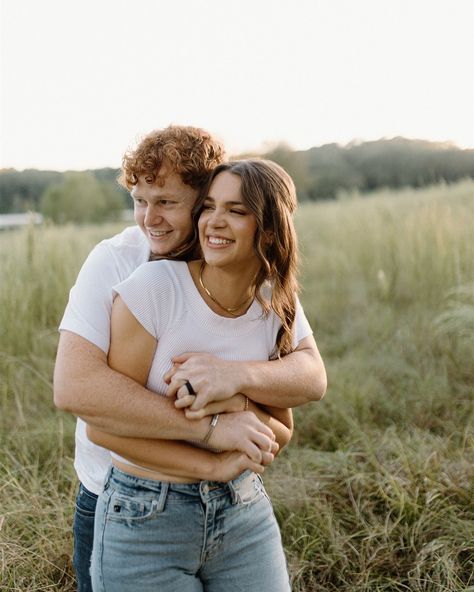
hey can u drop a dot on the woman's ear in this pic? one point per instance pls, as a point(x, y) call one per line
point(268, 237)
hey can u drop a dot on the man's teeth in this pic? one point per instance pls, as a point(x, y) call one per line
point(219, 241)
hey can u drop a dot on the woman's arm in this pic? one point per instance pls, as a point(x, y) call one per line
point(178, 458)
point(131, 346)
point(131, 352)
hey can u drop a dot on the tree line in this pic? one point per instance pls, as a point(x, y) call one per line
point(86, 196)
point(326, 171)
point(319, 173)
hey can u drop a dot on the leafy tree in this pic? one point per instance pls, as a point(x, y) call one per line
point(21, 191)
point(81, 198)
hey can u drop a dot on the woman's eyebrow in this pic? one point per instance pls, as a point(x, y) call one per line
point(227, 203)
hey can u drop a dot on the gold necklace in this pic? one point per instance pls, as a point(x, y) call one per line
point(230, 309)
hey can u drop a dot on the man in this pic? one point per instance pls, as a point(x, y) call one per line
point(164, 173)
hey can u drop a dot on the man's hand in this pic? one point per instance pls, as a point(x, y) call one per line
point(244, 432)
point(211, 378)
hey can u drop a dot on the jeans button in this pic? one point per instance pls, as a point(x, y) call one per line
point(205, 489)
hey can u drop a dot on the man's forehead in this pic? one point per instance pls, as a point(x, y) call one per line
point(165, 175)
point(161, 185)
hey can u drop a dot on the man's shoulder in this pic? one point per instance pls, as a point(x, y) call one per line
point(131, 237)
point(130, 244)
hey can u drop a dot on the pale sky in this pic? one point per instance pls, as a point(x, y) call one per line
point(81, 80)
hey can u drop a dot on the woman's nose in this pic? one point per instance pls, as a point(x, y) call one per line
point(216, 218)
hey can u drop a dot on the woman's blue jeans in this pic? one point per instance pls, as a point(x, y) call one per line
point(208, 536)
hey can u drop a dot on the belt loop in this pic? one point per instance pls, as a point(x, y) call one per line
point(234, 495)
point(107, 477)
point(163, 494)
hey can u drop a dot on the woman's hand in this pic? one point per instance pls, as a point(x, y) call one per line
point(230, 465)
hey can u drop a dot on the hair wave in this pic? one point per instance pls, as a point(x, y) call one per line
point(269, 193)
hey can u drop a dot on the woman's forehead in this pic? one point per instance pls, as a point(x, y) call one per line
point(226, 187)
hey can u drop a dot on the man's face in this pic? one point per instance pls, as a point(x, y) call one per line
point(163, 211)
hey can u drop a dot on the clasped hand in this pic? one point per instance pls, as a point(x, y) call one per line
point(215, 382)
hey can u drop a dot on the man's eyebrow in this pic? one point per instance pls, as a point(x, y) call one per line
point(158, 197)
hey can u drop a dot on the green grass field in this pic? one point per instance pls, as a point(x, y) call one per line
point(375, 492)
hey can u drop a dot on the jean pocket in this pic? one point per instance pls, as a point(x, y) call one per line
point(260, 486)
point(131, 509)
point(86, 502)
point(251, 491)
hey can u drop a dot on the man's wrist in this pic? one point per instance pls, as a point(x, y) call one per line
point(249, 377)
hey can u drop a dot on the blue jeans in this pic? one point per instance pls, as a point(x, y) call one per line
point(207, 536)
point(84, 537)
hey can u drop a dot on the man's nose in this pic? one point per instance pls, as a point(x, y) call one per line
point(153, 215)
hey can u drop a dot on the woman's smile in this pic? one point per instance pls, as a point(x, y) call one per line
point(217, 241)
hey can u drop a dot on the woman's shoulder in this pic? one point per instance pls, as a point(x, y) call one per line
point(155, 271)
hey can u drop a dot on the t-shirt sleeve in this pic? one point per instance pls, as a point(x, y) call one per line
point(302, 326)
point(90, 300)
point(150, 295)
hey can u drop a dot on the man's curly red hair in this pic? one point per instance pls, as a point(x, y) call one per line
point(190, 152)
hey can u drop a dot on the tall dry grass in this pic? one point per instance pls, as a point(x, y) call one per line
point(375, 493)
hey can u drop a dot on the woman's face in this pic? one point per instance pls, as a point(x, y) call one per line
point(227, 228)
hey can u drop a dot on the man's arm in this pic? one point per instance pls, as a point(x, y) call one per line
point(290, 381)
point(87, 387)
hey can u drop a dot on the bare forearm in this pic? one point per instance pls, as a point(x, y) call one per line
point(293, 380)
point(280, 421)
point(125, 408)
point(165, 456)
point(85, 386)
point(178, 459)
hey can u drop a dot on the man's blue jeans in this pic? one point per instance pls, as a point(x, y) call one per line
point(207, 536)
point(84, 537)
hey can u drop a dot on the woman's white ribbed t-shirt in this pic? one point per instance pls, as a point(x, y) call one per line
point(164, 299)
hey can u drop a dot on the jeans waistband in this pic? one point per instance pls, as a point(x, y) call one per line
point(206, 490)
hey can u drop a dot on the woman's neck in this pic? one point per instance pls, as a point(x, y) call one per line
point(227, 292)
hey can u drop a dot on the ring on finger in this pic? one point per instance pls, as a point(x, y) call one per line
point(189, 386)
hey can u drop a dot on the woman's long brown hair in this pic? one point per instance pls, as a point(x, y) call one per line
point(269, 193)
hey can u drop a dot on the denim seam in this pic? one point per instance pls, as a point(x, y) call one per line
point(163, 495)
point(204, 538)
point(107, 493)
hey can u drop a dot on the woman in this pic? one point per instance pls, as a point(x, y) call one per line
point(173, 533)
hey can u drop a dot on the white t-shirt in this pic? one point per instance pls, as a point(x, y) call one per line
point(88, 315)
point(164, 299)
